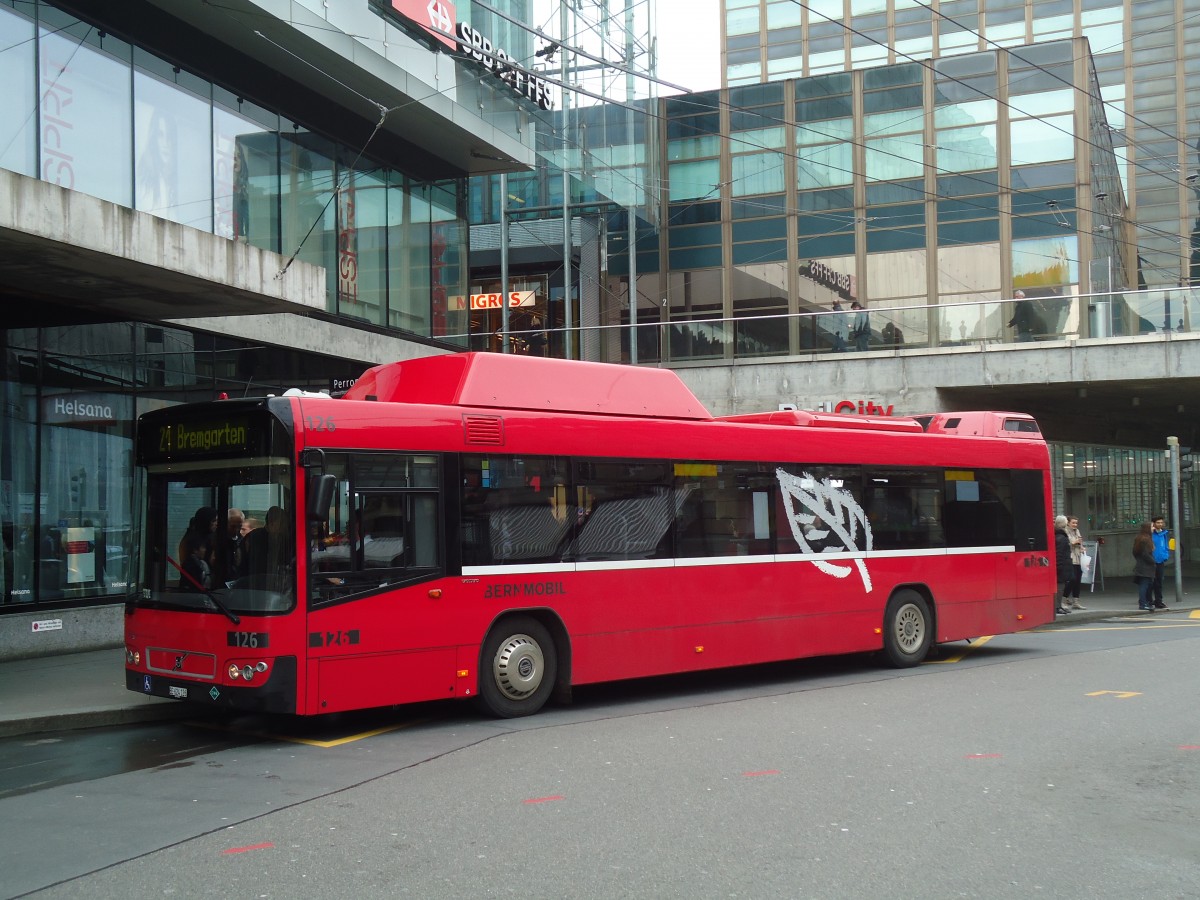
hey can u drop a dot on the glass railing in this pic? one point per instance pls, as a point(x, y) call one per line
point(992, 323)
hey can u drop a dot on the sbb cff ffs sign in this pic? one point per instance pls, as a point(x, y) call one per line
point(439, 19)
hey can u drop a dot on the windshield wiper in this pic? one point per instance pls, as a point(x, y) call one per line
point(229, 614)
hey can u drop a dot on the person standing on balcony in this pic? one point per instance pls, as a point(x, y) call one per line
point(1024, 317)
point(860, 330)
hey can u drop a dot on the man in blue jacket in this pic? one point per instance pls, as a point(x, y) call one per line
point(1161, 536)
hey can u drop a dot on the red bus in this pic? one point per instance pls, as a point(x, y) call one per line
point(504, 527)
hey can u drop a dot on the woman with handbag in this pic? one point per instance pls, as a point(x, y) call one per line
point(1071, 591)
point(1062, 564)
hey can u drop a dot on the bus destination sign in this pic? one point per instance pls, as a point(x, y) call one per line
point(195, 438)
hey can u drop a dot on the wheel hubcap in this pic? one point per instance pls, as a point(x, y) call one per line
point(910, 628)
point(519, 667)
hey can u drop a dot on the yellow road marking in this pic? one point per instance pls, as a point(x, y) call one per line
point(1194, 614)
point(311, 742)
point(1143, 623)
point(974, 645)
point(1120, 695)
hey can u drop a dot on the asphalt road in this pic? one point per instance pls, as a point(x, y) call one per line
point(1062, 763)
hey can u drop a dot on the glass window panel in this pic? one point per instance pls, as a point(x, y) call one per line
point(734, 58)
point(914, 46)
point(759, 230)
point(892, 158)
point(782, 15)
point(817, 201)
point(965, 149)
point(1046, 26)
point(821, 10)
point(693, 147)
point(307, 224)
point(694, 236)
point(760, 173)
point(694, 213)
point(821, 132)
point(697, 258)
point(979, 112)
point(793, 65)
point(827, 245)
point(825, 62)
point(978, 231)
point(881, 193)
point(825, 166)
point(894, 76)
point(172, 152)
point(86, 119)
point(964, 66)
point(899, 122)
point(759, 139)
point(957, 40)
point(827, 223)
point(362, 246)
point(245, 180)
point(905, 214)
point(825, 86)
point(745, 73)
point(18, 126)
point(870, 53)
point(962, 186)
point(741, 21)
point(761, 252)
point(1043, 104)
point(1035, 140)
point(692, 180)
point(759, 206)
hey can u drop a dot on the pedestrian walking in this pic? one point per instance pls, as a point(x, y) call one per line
point(1062, 560)
point(1143, 566)
point(1161, 535)
point(1071, 591)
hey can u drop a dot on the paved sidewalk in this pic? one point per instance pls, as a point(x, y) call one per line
point(87, 690)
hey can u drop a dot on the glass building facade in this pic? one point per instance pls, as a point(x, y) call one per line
point(1146, 74)
point(98, 115)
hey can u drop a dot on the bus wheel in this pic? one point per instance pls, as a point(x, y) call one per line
point(907, 630)
point(518, 668)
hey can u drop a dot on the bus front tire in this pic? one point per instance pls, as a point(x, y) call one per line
point(907, 629)
point(518, 668)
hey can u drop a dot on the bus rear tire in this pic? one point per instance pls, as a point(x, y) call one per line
point(907, 629)
point(518, 668)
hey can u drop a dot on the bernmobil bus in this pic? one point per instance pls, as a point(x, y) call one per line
point(501, 528)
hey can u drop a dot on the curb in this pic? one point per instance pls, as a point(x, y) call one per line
point(95, 718)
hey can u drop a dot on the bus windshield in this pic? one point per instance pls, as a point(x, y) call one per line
point(200, 555)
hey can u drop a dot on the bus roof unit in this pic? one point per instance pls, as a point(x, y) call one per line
point(506, 381)
point(804, 418)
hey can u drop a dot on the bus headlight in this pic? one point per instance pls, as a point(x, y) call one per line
point(132, 657)
point(246, 670)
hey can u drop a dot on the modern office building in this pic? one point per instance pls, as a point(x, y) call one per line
point(1145, 55)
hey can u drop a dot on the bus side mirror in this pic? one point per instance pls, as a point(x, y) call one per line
point(320, 496)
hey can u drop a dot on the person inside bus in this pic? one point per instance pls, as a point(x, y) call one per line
point(233, 544)
point(266, 551)
point(1062, 563)
point(197, 574)
point(202, 527)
